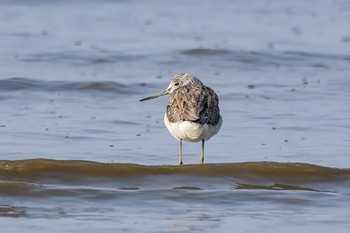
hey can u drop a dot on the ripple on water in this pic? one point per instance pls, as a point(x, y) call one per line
point(22, 176)
point(24, 84)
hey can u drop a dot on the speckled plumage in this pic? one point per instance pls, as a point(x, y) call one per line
point(192, 112)
point(194, 102)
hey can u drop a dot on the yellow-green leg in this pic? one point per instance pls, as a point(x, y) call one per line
point(202, 153)
point(180, 153)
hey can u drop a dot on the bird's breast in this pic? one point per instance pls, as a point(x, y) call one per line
point(191, 131)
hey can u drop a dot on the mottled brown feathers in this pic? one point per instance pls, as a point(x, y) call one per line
point(196, 103)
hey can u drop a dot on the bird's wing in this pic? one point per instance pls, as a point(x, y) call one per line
point(210, 111)
point(193, 103)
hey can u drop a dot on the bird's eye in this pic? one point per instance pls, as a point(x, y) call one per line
point(176, 84)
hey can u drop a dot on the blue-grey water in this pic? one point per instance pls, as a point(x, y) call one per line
point(78, 152)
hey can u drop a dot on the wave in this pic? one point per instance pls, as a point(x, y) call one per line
point(65, 170)
point(46, 178)
point(204, 52)
point(19, 84)
point(269, 57)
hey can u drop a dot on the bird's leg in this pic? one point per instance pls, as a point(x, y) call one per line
point(202, 153)
point(180, 153)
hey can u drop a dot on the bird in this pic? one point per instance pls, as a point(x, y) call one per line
point(192, 112)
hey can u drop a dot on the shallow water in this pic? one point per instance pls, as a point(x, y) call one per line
point(72, 73)
point(170, 197)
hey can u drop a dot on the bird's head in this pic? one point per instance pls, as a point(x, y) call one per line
point(177, 81)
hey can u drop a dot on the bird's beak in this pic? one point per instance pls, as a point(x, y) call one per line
point(165, 92)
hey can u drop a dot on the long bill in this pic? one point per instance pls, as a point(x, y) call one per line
point(165, 92)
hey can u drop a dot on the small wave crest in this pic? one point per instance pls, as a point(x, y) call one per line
point(18, 83)
point(41, 169)
point(270, 58)
point(74, 178)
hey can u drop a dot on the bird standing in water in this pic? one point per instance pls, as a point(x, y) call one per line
point(192, 112)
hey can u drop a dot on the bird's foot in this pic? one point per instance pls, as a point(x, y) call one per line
point(201, 159)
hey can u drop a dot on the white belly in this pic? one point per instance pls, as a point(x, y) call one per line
point(190, 131)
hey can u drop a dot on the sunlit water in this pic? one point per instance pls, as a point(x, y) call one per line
point(72, 73)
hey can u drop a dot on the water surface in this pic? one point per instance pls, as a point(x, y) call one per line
point(79, 152)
